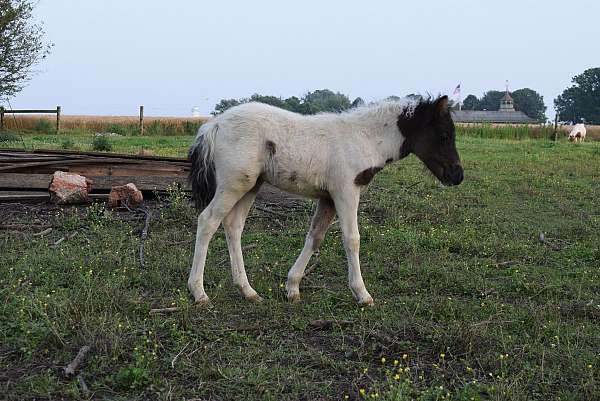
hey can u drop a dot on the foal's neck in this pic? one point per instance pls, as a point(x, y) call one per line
point(381, 123)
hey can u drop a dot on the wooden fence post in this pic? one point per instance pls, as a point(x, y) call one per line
point(141, 120)
point(58, 108)
point(1, 117)
point(556, 127)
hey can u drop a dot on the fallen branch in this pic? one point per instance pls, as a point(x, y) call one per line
point(42, 233)
point(507, 263)
point(144, 235)
point(70, 369)
point(323, 324)
point(177, 356)
point(84, 388)
point(310, 269)
point(66, 237)
point(271, 211)
point(543, 240)
point(156, 311)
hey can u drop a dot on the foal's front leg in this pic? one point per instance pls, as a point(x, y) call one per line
point(320, 223)
point(346, 205)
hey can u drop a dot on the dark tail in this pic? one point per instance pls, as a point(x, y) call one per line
point(202, 173)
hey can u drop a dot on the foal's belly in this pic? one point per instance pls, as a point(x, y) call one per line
point(296, 181)
point(296, 186)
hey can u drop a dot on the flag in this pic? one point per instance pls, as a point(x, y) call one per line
point(456, 90)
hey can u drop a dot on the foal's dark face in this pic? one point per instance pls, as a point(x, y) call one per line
point(430, 135)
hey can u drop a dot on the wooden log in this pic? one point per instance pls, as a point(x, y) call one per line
point(42, 181)
point(25, 181)
point(52, 152)
point(16, 166)
point(17, 196)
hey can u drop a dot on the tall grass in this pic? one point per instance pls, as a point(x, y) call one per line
point(122, 125)
point(505, 131)
point(520, 131)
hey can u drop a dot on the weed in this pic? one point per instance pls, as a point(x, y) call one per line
point(44, 126)
point(67, 143)
point(102, 143)
point(6, 137)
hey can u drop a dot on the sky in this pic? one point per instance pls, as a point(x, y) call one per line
point(111, 56)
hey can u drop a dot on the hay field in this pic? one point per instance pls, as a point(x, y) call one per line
point(178, 125)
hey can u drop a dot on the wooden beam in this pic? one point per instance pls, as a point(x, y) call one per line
point(42, 181)
point(15, 196)
point(30, 111)
point(16, 152)
point(25, 181)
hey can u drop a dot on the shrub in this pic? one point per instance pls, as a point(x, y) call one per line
point(102, 143)
point(45, 126)
point(6, 137)
point(67, 143)
point(117, 129)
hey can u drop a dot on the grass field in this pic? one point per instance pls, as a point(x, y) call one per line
point(470, 305)
point(124, 125)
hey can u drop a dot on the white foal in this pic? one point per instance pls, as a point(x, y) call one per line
point(330, 157)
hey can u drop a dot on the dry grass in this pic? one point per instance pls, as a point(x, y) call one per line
point(98, 123)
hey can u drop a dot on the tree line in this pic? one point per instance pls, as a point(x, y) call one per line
point(323, 100)
point(319, 101)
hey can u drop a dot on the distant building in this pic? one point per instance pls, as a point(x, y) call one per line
point(196, 112)
point(506, 114)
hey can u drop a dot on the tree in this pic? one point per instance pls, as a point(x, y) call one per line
point(530, 102)
point(325, 100)
point(491, 100)
point(225, 104)
point(581, 100)
point(272, 100)
point(21, 45)
point(357, 102)
point(471, 103)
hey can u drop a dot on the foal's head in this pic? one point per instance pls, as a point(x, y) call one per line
point(430, 135)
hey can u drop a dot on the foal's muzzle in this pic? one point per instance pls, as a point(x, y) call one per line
point(454, 175)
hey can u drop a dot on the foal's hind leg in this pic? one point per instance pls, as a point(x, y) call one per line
point(208, 222)
point(320, 223)
point(346, 205)
point(234, 225)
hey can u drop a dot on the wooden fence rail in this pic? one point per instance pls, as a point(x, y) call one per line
point(56, 111)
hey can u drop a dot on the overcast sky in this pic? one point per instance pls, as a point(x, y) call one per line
point(111, 56)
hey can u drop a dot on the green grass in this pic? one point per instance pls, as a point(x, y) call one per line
point(463, 287)
point(84, 141)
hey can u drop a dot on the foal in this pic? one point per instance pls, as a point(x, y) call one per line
point(330, 157)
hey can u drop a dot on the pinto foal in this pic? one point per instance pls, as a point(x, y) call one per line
point(330, 157)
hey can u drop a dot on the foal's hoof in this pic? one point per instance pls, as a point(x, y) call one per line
point(203, 300)
point(294, 297)
point(368, 301)
point(255, 298)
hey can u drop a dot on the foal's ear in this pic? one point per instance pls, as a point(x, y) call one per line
point(441, 106)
